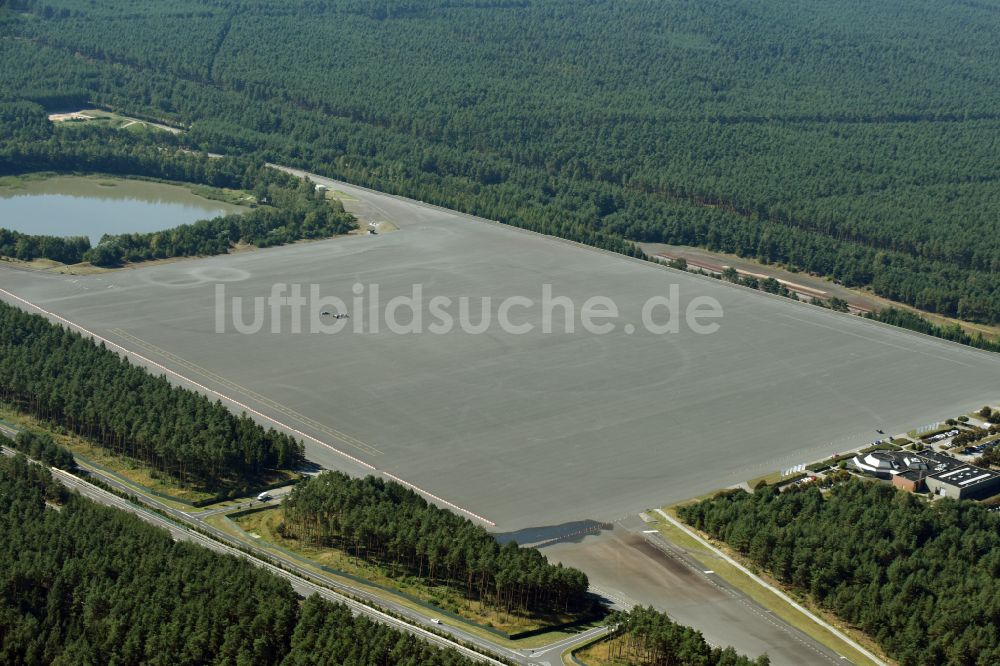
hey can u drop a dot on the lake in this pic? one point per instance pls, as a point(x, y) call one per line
point(94, 206)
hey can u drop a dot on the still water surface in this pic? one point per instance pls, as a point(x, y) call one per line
point(92, 207)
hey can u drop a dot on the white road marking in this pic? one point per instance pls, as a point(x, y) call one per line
point(836, 632)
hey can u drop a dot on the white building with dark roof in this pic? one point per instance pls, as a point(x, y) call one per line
point(886, 464)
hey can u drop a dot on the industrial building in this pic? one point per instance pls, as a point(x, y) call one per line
point(964, 482)
point(887, 464)
point(912, 481)
point(940, 473)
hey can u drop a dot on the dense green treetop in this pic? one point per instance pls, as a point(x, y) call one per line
point(921, 578)
point(387, 523)
point(88, 584)
point(285, 208)
point(848, 138)
point(59, 376)
point(41, 447)
point(647, 637)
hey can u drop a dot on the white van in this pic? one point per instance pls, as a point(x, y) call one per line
point(263, 497)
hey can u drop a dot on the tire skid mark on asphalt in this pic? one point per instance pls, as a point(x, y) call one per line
point(625, 603)
point(970, 351)
point(126, 352)
point(343, 437)
point(752, 606)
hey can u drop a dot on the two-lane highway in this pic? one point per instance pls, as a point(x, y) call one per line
point(300, 580)
point(193, 527)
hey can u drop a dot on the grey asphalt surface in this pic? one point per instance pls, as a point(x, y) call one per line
point(537, 429)
point(635, 568)
point(534, 432)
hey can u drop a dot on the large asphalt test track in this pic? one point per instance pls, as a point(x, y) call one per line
point(534, 429)
point(526, 430)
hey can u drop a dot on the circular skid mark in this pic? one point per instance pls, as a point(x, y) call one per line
point(173, 280)
point(195, 276)
point(221, 274)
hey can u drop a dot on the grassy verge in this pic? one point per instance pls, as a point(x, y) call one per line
point(375, 588)
point(265, 525)
point(769, 479)
point(128, 472)
point(235, 197)
point(776, 479)
point(225, 195)
point(830, 462)
point(18, 181)
point(35, 264)
point(987, 330)
point(340, 195)
point(109, 119)
point(599, 653)
point(765, 597)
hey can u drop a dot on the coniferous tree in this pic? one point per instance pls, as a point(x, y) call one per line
point(920, 578)
point(388, 524)
point(61, 377)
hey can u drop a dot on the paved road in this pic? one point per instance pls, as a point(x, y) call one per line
point(178, 523)
point(833, 630)
point(634, 567)
point(300, 579)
